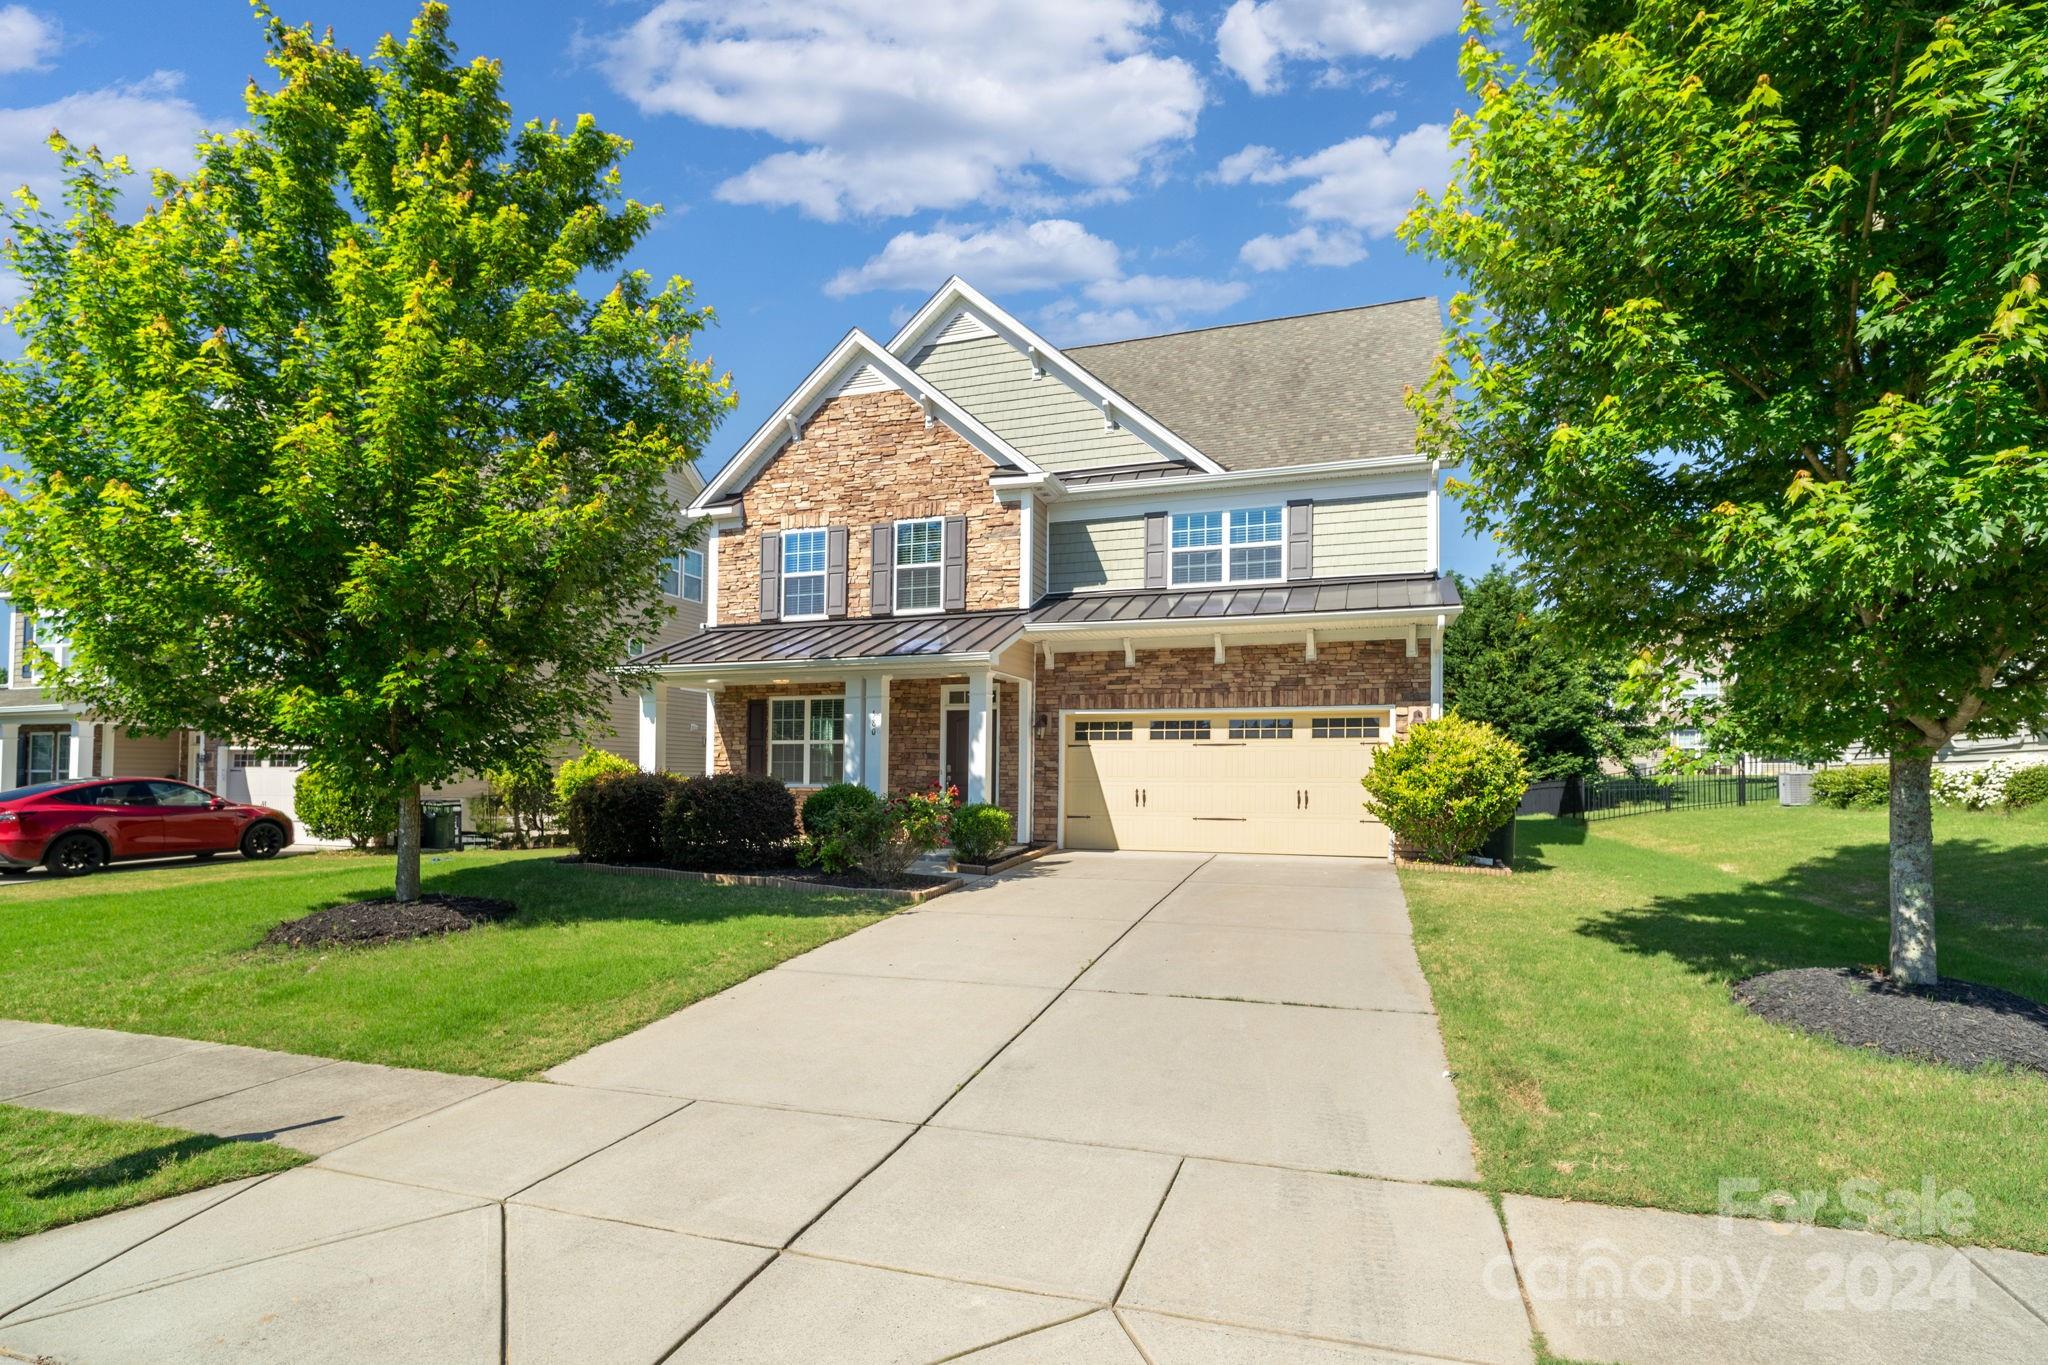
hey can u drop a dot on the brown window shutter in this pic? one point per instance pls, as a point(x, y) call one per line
point(1155, 549)
point(883, 578)
point(956, 564)
point(757, 736)
point(771, 576)
point(835, 571)
point(1301, 522)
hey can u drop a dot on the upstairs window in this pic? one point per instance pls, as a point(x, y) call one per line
point(920, 575)
point(693, 575)
point(1241, 546)
point(803, 574)
point(670, 576)
point(25, 666)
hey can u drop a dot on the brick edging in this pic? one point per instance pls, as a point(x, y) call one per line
point(909, 895)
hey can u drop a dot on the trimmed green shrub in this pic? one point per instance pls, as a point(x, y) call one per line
point(617, 817)
point(331, 806)
point(981, 832)
point(2027, 787)
point(1447, 784)
point(524, 795)
point(728, 822)
point(585, 767)
point(1861, 786)
point(827, 808)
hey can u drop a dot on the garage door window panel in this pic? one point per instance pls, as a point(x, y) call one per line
point(1095, 731)
point(1262, 727)
point(1180, 729)
point(1344, 727)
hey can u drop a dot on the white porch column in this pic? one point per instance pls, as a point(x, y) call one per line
point(1027, 777)
point(980, 749)
point(10, 741)
point(710, 732)
point(79, 739)
point(654, 727)
point(874, 736)
point(1436, 671)
point(109, 732)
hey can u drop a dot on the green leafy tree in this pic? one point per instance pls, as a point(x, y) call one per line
point(1508, 665)
point(1751, 364)
point(332, 447)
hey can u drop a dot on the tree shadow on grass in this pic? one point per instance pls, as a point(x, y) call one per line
point(1831, 911)
point(1537, 835)
point(129, 1168)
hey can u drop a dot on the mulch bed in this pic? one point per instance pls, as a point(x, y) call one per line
point(386, 920)
point(1957, 1023)
point(848, 881)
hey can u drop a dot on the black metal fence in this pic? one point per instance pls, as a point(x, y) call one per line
point(1608, 796)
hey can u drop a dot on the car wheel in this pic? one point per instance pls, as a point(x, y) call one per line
point(262, 841)
point(75, 855)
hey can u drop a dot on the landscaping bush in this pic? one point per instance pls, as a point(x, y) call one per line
point(883, 842)
point(2027, 787)
point(617, 817)
point(331, 806)
point(1445, 786)
point(1862, 786)
point(981, 832)
point(585, 767)
point(827, 808)
point(728, 822)
point(524, 794)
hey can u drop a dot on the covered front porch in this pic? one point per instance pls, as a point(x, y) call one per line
point(924, 716)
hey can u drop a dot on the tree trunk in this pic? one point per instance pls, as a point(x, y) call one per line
point(1912, 858)
point(408, 888)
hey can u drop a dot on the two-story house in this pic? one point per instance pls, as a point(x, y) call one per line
point(1157, 594)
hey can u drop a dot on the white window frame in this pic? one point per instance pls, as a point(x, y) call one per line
point(691, 567)
point(821, 573)
point(1227, 542)
point(24, 668)
point(804, 743)
point(897, 566)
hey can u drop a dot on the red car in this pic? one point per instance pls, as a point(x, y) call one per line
point(78, 827)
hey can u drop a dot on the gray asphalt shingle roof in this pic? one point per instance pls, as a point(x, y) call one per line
point(1299, 390)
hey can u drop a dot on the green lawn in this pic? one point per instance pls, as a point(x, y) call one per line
point(62, 1168)
point(172, 950)
point(1598, 1055)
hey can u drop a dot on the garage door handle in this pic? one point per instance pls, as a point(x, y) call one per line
point(1234, 819)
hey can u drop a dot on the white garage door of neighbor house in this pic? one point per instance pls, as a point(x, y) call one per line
point(1222, 781)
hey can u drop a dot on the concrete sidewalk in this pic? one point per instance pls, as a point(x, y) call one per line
point(1108, 1108)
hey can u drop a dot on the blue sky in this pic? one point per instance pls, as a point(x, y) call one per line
point(1104, 168)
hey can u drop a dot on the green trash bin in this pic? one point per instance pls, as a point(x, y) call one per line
point(441, 827)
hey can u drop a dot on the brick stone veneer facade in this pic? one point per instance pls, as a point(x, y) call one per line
point(1344, 673)
point(865, 459)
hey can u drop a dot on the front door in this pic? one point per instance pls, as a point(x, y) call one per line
point(956, 751)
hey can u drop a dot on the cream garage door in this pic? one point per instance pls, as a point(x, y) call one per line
point(1223, 781)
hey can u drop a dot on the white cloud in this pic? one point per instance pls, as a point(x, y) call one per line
point(1380, 120)
point(1168, 295)
point(1367, 183)
point(148, 121)
point(891, 107)
point(1258, 37)
point(1304, 246)
point(27, 39)
point(1008, 257)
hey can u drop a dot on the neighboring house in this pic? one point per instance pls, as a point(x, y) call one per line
point(46, 740)
point(1163, 593)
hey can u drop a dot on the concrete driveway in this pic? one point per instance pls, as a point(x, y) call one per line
point(1109, 1108)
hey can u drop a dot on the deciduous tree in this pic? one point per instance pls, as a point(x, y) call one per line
point(1751, 364)
point(358, 439)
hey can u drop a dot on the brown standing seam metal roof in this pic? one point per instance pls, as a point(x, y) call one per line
point(1403, 592)
point(868, 637)
point(979, 632)
point(1299, 390)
